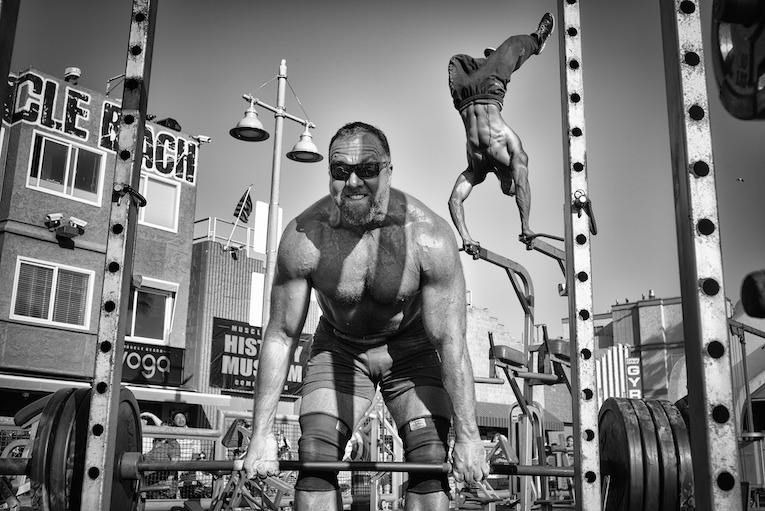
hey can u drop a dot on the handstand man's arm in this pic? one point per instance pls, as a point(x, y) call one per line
point(443, 313)
point(289, 304)
point(462, 189)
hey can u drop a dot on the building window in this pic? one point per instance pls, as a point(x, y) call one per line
point(52, 294)
point(150, 310)
point(162, 203)
point(63, 168)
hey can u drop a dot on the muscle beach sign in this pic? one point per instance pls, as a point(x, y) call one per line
point(74, 112)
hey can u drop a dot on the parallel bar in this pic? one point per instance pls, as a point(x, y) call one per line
point(714, 444)
point(113, 303)
point(578, 262)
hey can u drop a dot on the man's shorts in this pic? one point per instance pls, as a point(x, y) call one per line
point(352, 366)
point(485, 79)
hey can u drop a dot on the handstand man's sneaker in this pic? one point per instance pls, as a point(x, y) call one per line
point(488, 51)
point(545, 28)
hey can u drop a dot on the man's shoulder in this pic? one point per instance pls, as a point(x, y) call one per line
point(426, 228)
point(421, 217)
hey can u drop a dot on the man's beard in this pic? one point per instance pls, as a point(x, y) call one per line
point(359, 217)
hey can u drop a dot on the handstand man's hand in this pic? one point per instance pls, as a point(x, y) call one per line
point(472, 247)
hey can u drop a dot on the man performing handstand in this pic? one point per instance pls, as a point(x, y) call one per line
point(478, 88)
point(388, 278)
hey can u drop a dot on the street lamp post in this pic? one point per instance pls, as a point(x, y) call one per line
point(251, 130)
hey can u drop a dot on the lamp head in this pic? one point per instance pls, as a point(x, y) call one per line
point(249, 129)
point(305, 150)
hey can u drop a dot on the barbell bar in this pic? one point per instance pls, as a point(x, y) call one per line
point(133, 464)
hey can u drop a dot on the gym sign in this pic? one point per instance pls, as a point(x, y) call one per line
point(634, 375)
point(235, 353)
point(148, 363)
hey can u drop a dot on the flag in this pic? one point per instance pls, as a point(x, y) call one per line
point(244, 207)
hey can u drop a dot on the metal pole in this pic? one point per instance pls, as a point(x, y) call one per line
point(113, 306)
point(714, 442)
point(273, 207)
point(579, 229)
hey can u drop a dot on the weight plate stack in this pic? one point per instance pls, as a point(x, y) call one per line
point(645, 456)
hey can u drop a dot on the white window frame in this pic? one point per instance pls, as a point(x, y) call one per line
point(63, 141)
point(55, 267)
point(145, 177)
point(162, 287)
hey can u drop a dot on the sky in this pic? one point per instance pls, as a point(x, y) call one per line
point(385, 63)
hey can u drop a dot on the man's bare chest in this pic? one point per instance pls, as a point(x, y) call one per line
point(379, 269)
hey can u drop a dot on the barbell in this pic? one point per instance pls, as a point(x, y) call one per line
point(645, 456)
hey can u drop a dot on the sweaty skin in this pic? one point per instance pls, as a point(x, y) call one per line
point(492, 147)
point(378, 260)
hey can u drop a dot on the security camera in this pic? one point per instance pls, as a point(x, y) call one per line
point(202, 139)
point(76, 222)
point(54, 217)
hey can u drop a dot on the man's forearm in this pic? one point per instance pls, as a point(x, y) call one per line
point(272, 372)
point(457, 213)
point(458, 381)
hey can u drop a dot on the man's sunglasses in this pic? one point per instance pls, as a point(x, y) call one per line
point(364, 170)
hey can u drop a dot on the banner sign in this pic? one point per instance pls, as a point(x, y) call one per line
point(235, 352)
point(68, 110)
point(632, 368)
point(149, 363)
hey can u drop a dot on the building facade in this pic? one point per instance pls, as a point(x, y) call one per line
point(56, 178)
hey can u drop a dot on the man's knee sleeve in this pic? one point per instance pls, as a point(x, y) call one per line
point(425, 441)
point(323, 439)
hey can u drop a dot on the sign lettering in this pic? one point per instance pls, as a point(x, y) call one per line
point(37, 101)
point(236, 355)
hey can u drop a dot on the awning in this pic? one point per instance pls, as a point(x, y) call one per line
point(160, 394)
point(496, 415)
point(492, 415)
point(550, 422)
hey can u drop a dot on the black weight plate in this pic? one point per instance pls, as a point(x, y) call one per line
point(668, 458)
point(61, 469)
point(42, 450)
point(73, 440)
point(621, 455)
point(683, 453)
point(651, 461)
point(738, 55)
point(125, 493)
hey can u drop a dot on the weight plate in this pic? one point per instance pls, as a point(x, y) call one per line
point(738, 57)
point(683, 453)
point(42, 450)
point(668, 458)
point(651, 461)
point(64, 482)
point(125, 494)
point(621, 456)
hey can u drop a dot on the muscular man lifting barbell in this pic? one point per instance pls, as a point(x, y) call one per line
point(388, 278)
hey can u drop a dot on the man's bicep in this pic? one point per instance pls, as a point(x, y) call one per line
point(291, 290)
point(443, 299)
point(289, 303)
